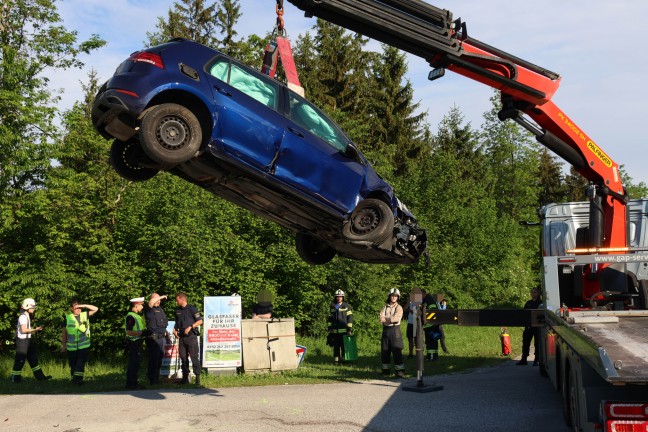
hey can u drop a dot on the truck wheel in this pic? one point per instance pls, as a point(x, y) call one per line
point(170, 134)
point(372, 220)
point(313, 251)
point(574, 411)
point(564, 390)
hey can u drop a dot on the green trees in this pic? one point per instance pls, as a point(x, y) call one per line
point(74, 228)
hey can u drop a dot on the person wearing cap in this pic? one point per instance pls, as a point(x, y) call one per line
point(75, 338)
point(156, 322)
point(391, 342)
point(135, 333)
point(340, 322)
point(187, 324)
point(25, 345)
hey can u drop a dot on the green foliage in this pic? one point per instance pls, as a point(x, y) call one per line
point(75, 229)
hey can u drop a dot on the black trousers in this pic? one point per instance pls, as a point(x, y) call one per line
point(155, 352)
point(528, 334)
point(391, 345)
point(25, 351)
point(77, 360)
point(134, 354)
point(338, 346)
point(189, 349)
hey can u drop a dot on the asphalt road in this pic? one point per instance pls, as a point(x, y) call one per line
point(500, 398)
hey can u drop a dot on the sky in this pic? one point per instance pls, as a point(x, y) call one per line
point(597, 46)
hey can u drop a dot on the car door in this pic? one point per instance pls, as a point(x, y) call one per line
point(249, 128)
point(313, 157)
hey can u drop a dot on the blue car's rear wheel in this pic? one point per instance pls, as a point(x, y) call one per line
point(125, 157)
point(312, 250)
point(170, 134)
point(371, 221)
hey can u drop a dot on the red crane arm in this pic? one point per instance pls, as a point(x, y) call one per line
point(430, 32)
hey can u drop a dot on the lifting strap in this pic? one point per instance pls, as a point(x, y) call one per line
point(280, 48)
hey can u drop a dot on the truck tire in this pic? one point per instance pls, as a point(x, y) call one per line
point(574, 406)
point(564, 390)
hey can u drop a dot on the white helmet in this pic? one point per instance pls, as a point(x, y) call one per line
point(28, 303)
point(339, 293)
point(394, 291)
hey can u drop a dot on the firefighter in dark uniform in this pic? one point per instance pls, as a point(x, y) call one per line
point(340, 323)
point(391, 343)
point(531, 332)
point(135, 333)
point(156, 323)
point(187, 323)
point(433, 332)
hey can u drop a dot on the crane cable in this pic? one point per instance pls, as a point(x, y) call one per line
point(279, 47)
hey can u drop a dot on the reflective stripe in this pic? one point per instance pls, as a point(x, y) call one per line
point(78, 331)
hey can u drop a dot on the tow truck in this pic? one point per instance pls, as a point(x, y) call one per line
point(594, 319)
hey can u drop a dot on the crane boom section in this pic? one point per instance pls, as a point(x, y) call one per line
point(431, 33)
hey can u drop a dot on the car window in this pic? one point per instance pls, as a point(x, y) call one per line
point(245, 81)
point(312, 119)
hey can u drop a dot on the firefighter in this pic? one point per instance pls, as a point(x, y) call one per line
point(391, 343)
point(75, 338)
point(340, 323)
point(433, 332)
point(25, 345)
point(531, 332)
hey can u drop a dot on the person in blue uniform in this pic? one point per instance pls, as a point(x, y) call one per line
point(156, 323)
point(187, 329)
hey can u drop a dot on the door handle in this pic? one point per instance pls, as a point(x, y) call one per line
point(223, 91)
point(296, 132)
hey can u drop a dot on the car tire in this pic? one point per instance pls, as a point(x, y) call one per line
point(124, 157)
point(312, 250)
point(372, 220)
point(170, 134)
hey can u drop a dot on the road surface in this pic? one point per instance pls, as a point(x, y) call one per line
point(499, 398)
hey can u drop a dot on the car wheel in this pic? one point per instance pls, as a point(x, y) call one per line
point(124, 158)
point(312, 250)
point(372, 220)
point(170, 134)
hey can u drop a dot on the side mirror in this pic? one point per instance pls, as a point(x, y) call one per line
point(353, 153)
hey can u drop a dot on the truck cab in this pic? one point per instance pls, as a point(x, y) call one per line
point(565, 228)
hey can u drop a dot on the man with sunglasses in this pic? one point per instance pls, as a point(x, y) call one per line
point(75, 338)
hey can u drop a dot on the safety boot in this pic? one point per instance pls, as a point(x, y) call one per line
point(40, 376)
point(385, 372)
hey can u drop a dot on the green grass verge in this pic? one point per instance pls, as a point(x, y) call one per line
point(469, 348)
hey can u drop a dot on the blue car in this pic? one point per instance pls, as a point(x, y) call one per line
point(193, 111)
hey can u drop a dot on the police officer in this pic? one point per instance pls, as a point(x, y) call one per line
point(25, 346)
point(340, 323)
point(135, 333)
point(75, 338)
point(187, 323)
point(156, 323)
point(391, 343)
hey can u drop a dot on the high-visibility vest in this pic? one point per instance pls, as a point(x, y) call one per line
point(139, 325)
point(78, 331)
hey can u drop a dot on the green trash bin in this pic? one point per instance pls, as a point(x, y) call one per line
point(350, 348)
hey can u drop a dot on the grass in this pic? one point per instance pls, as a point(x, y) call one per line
point(470, 347)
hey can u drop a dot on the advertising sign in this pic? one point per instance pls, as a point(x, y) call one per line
point(222, 332)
